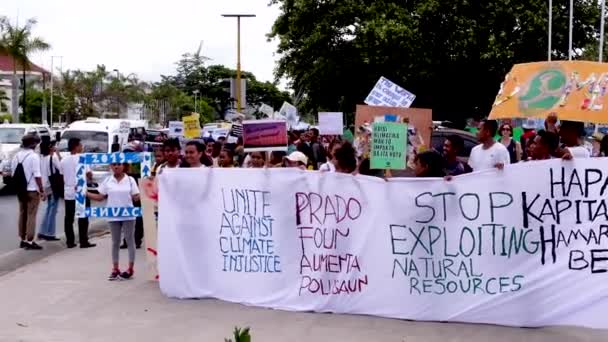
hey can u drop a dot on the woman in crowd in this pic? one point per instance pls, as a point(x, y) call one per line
point(514, 147)
point(215, 154)
point(257, 160)
point(296, 159)
point(604, 146)
point(429, 164)
point(119, 191)
point(194, 154)
point(226, 158)
point(276, 158)
point(345, 158)
point(52, 183)
point(330, 165)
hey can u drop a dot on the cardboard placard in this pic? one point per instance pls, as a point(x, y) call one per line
point(265, 135)
point(387, 93)
point(331, 123)
point(389, 146)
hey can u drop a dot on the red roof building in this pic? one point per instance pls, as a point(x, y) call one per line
point(7, 62)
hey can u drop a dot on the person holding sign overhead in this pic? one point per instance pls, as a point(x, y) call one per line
point(119, 191)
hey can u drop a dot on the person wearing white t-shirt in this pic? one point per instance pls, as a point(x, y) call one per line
point(489, 154)
point(570, 133)
point(120, 191)
point(30, 197)
point(193, 154)
point(69, 167)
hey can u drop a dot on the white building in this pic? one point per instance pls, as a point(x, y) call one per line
point(34, 74)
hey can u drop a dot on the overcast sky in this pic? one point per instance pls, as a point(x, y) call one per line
point(147, 37)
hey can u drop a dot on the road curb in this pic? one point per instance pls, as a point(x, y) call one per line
point(18, 258)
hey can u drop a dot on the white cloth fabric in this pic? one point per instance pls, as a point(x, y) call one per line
point(483, 159)
point(578, 152)
point(45, 169)
point(120, 194)
point(328, 167)
point(31, 167)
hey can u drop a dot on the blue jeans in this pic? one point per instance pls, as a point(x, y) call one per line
point(49, 223)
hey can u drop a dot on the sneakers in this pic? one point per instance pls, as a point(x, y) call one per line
point(115, 275)
point(34, 246)
point(127, 275)
point(29, 245)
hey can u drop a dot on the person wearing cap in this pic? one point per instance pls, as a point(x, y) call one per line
point(296, 159)
point(29, 200)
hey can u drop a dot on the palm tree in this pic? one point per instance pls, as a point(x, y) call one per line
point(18, 42)
point(3, 97)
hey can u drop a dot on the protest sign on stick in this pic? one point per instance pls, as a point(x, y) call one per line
point(331, 123)
point(389, 146)
point(176, 129)
point(265, 135)
point(387, 93)
point(418, 118)
point(192, 126)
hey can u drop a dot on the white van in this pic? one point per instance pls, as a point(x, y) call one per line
point(10, 142)
point(96, 136)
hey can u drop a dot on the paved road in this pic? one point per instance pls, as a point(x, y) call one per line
point(9, 210)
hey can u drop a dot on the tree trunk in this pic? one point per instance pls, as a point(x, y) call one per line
point(15, 97)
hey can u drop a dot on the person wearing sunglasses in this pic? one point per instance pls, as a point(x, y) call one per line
point(514, 147)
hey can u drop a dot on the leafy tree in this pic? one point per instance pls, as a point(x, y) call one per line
point(451, 54)
point(212, 83)
point(19, 43)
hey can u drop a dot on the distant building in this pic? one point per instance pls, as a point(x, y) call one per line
point(34, 74)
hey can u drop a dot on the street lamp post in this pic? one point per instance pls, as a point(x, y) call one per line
point(52, 73)
point(238, 54)
point(195, 98)
point(117, 105)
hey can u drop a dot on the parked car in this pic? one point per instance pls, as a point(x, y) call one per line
point(470, 140)
point(10, 142)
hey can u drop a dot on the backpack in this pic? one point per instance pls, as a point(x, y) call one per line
point(20, 180)
point(56, 180)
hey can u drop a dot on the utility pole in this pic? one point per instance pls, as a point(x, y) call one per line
point(238, 54)
point(570, 30)
point(601, 57)
point(117, 104)
point(52, 73)
point(195, 102)
point(550, 30)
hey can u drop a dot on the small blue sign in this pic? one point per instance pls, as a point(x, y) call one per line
point(113, 212)
point(390, 118)
point(110, 158)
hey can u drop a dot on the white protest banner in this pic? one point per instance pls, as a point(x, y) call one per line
point(267, 110)
point(331, 123)
point(176, 129)
point(387, 93)
point(290, 113)
point(494, 247)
